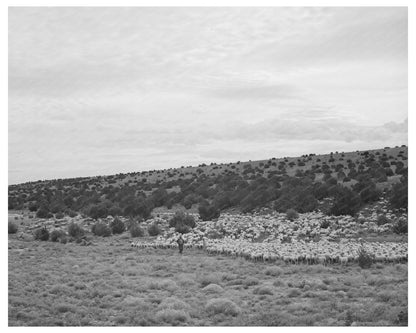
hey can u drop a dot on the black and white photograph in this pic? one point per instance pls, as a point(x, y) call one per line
point(201, 166)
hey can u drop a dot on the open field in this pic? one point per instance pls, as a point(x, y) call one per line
point(111, 283)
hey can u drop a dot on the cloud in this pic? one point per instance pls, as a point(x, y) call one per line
point(107, 90)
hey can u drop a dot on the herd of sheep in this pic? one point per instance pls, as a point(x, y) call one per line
point(312, 238)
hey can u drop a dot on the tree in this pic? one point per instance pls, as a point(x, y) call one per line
point(182, 222)
point(346, 202)
point(208, 212)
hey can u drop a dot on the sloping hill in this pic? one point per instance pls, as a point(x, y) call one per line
point(279, 183)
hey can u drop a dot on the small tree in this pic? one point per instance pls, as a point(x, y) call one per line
point(101, 229)
point(208, 212)
point(136, 230)
point(117, 226)
point(56, 235)
point(75, 230)
point(153, 229)
point(42, 213)
point(41, 234)
point(365, 258)
point(182, 222)
point(400, 227)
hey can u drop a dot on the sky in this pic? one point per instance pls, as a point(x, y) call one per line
point(99, 91)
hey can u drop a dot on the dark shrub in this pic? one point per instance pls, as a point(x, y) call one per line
point(136, 230)
point(56, 235)
point(400, 227)
point(101, 229)
point(346, 202)
point(365, 259)
point(42, 213)
point(325, 224)
point(153, 229)
point(117, 226)
point(382, 219)
point(41, 234)
point(292, 214)
point(182, 220)
point(71, 213)
point(33, 207)
point(75, 230)
point(208, 212)
point(398, 195)
point(59, 215)
point(12, 228)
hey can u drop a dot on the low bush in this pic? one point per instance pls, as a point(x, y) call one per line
point(365, 258)
point(222, 306)
point(153, 229)
point(41, 234)
point(382, 219)
point(291, 214)
point(56, 235)
point(263, 290)
point(101, 229)
point(75, 230)
point(136, 230)
point(400, 226)
point(59, 215)
point(182, 222)
point(12, 228)
point(117, 226)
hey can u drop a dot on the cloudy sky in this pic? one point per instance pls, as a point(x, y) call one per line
point(95, 91)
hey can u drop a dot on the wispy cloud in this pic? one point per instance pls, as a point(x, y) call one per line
point(107, 90)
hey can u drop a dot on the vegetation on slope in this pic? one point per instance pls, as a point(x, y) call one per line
point(349, 180)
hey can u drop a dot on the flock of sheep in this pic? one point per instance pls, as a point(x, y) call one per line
point(312, 238)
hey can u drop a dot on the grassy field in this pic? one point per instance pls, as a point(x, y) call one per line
point(111, 284)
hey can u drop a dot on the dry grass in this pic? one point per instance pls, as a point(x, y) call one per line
point(52, 284)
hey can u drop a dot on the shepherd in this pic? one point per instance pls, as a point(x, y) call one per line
point(180, 242)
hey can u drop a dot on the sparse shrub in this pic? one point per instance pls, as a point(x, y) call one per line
point(365, 258)
point(208, 212)
point(75, 230)
point(60, 215)
point(182, 222)
point(153, 229)
point(325, 224)
point(263, 290)
point(400, 226)
point(117, 226)
point(172, 316)
point(213, 289)
point(382, 219)
point(250, 281)
point(101, 229)
point(274, 271)
point(71, 213)
point(41, 234)
point(56, 235)
point(42, 213)
point(136, 230)
point(12, 228)
point(213, 278)
point(222, 306)
point(291, 214)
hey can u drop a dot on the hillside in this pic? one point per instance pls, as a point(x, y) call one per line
point(336, 183)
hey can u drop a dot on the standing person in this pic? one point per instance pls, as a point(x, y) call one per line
point(180, 242)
